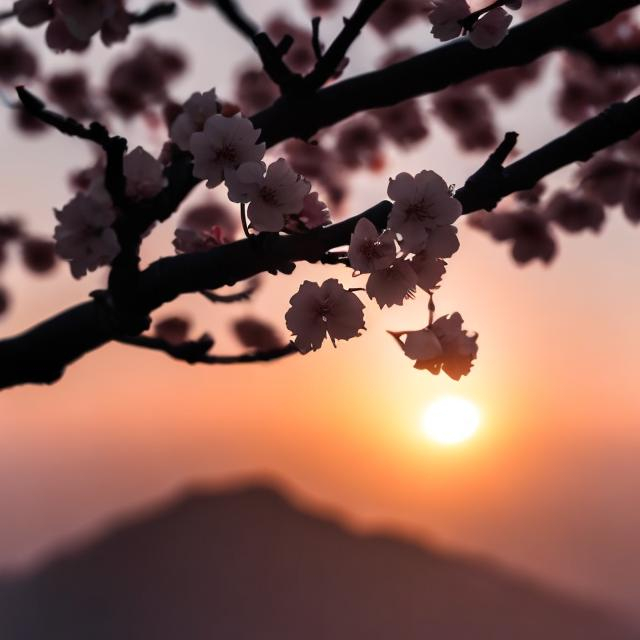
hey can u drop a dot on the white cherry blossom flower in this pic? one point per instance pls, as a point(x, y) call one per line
point(368, 250)
point(272, 196)
point(422, 345)
point(445, 17)
point(224, 144)
point(429, 270)
point(421, 203)
point(317, 311)
point(314, 212)
point(84, 236)
point(491, 29)
point(196, 110)
point(143, 173)
point(392, 285)
point(83, 18)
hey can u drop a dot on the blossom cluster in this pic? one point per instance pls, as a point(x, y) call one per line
point(489, 30)
point(610, 179)
point(85, 235)
point(72, 23)
point(408, 254)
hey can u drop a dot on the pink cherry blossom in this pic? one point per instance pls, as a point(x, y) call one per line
point(196, 240)
point(223, 144)
point(459, 347)
point(441, 242)
point(445, 17)
point(318, 311)
point(32, 13)
point(420, 203)
point(314, 212)
point(143, 173)
point(84, 236)
point(195, 112)
point(370, 251)
point(491, 29)
point(606, 177)
point(528, 230)
point(429, 270)
point(392, 285)
point(443, 345)
point(575, 211)
point(271, 196)
point(421, 345)
point(83, 18)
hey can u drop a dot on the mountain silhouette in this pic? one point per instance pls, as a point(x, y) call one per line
point(245, 564)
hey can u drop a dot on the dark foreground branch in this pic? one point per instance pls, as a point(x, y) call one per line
point(41, 354)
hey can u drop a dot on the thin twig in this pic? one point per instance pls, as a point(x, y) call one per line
point(229, 298)
point(196, 351)
point(154, 12)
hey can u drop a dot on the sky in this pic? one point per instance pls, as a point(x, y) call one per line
point(548, 485)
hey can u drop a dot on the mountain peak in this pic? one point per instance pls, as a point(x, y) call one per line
point(246, 563)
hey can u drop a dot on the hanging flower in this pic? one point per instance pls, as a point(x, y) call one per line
point(317, 311)
point(368, 250)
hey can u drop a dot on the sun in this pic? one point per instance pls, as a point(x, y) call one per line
point(450, 420)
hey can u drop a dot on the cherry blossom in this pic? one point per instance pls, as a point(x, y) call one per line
point(528, 230)
point(445, 17)
point(392, 285)
point(459, 347)
point(317, 311)
point(195, 240)
point(368, 250)
point(575, 211)
point(16, 61)
point(491, 29)
point(256, 334)
point(32, 13)
point(84, 236)
point(83, 18)
point(174, 329)
point(420, 204)
point(443, 345)
point(271, 196)
point(421, 345)
point(195, 112)
point(429, 270)
point(223, 144)
point(143, 173)
point(314, 212)
point(38, 254)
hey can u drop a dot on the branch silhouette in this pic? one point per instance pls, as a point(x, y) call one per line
point(41, 354)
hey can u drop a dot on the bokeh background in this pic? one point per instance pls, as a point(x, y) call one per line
point(550, 483)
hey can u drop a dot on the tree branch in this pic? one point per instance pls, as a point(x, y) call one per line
point(230, 298)
point(154, 12)
point(328, 63)
point(426, 73)
point(196, 351)
point(41, 354)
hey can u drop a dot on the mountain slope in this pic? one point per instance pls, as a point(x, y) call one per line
point(247, 565)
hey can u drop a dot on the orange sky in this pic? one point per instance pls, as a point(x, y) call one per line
point(549, 484)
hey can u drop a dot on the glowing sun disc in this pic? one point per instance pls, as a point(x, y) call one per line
point(450, 420)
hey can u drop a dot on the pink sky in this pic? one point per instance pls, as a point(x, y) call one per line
point(550, 483)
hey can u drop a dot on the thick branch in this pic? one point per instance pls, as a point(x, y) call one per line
point(426, 73)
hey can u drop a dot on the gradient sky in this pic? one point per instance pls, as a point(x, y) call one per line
point(550, 483)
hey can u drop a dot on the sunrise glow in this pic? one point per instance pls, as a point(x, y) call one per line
point(450, 420)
